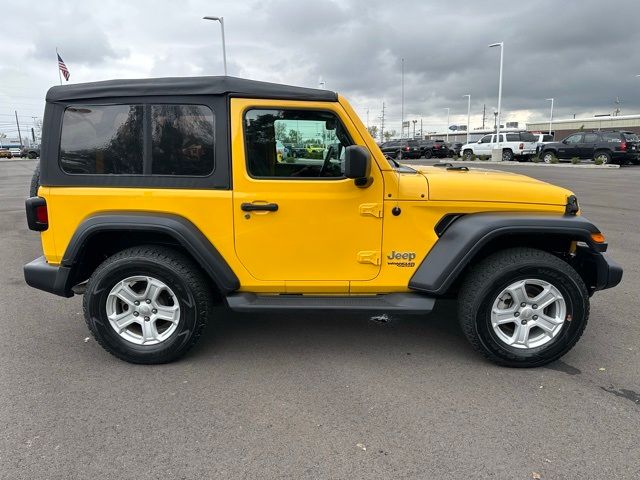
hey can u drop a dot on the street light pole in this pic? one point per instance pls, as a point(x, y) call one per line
point(402, 103)
point(501, 45)
point(447, 109)
point(468, 114)
point(550, 115)
point(224, 48)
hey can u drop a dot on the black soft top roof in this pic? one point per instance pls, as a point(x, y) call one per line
point(222, 85)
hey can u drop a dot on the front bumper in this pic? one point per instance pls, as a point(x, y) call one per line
point(50, 278)
point(598, 269)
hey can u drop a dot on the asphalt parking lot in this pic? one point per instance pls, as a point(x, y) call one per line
point(319, 396)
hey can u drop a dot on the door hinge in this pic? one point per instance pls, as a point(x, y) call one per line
point(373, 209)
point(369, 256)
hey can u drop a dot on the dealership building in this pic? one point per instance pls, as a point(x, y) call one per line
point(564, 128)
point(559, 128)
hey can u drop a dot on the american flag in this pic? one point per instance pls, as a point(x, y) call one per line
point(63, 68)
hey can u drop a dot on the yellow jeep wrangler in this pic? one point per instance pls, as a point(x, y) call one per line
point(160, 197)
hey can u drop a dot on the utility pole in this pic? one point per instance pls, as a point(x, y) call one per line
point(18, 124)
point(421, 131)
point(382, 124)
point(367, 119)
point(414, 128)
point(484, 114)
point(224, 48)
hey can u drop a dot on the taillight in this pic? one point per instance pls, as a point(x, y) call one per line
point(37, 214)
point(42, 215)
point(521, 146)
point(406, 149)
point(623, 146)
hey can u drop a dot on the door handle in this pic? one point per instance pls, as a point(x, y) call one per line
point(256, 207)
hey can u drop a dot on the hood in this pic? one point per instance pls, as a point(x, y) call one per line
point(484, 185)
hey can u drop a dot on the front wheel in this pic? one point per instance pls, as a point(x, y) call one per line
point(147, 304)
point(548, 157)
point(523, 307)
point(603, 157)
point(428, 153)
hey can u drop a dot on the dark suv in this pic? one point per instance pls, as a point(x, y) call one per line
point(434, 148)
point(400, 149)
point(608, 147)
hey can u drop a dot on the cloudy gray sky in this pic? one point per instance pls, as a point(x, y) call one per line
point(584, 53)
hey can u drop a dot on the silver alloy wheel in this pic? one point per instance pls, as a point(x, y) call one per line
point(528, 313)
point(143, 310)
point(603, 157)
point(548, 157)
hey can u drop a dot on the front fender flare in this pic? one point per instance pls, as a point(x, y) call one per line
point(465, 236)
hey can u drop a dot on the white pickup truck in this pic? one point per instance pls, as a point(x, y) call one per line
point(515, 145)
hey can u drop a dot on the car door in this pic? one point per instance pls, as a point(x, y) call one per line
point(570, 146)
point(302, 220)
point(588, 145)
point(484, 145)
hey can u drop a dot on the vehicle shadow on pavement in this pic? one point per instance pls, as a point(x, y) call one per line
point(320, 334)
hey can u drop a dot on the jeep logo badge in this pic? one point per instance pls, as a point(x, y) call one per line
point(401, 259)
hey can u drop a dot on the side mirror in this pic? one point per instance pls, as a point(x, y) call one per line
point(357, 164)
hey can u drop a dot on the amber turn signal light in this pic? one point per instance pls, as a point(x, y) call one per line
point(597, 237)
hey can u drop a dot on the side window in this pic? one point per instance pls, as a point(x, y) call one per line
point(313, 144)
point(573, 139)
point(102, 139)
point(612, 137)
point(590, 138)
point(486, 139)
point(513, 137)
point(182, 140)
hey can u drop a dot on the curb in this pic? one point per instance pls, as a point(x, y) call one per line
point(17, 159)
point(528, 164)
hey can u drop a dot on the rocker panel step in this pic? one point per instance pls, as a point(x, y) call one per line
point(391, 302)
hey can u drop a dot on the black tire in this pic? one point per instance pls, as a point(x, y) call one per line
point(486, 280)
point(428, 153)
point(605, 156)
point(179, 273)
point(507, 155)
point(467, 155)
point(32, 155)
point(35, 182)
point(547, 156)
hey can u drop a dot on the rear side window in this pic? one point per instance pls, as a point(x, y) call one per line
point(181, 140)
point(630, 137)
point(547, 138)
point(527, 137)
point(110, 139)
point(513, 137)
point(102, 139)
point(613, 137)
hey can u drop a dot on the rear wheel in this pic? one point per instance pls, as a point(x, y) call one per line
point(604, 157)
point(147, 304)
point(467, 155)
point(523, 307)
point(507, 155)
point(428, 153)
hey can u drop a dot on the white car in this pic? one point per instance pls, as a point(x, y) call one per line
point(515, 145)
point(542, 139)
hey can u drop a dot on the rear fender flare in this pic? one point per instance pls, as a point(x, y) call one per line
point(184, 232)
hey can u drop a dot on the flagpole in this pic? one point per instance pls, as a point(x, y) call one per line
point(58, 64)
